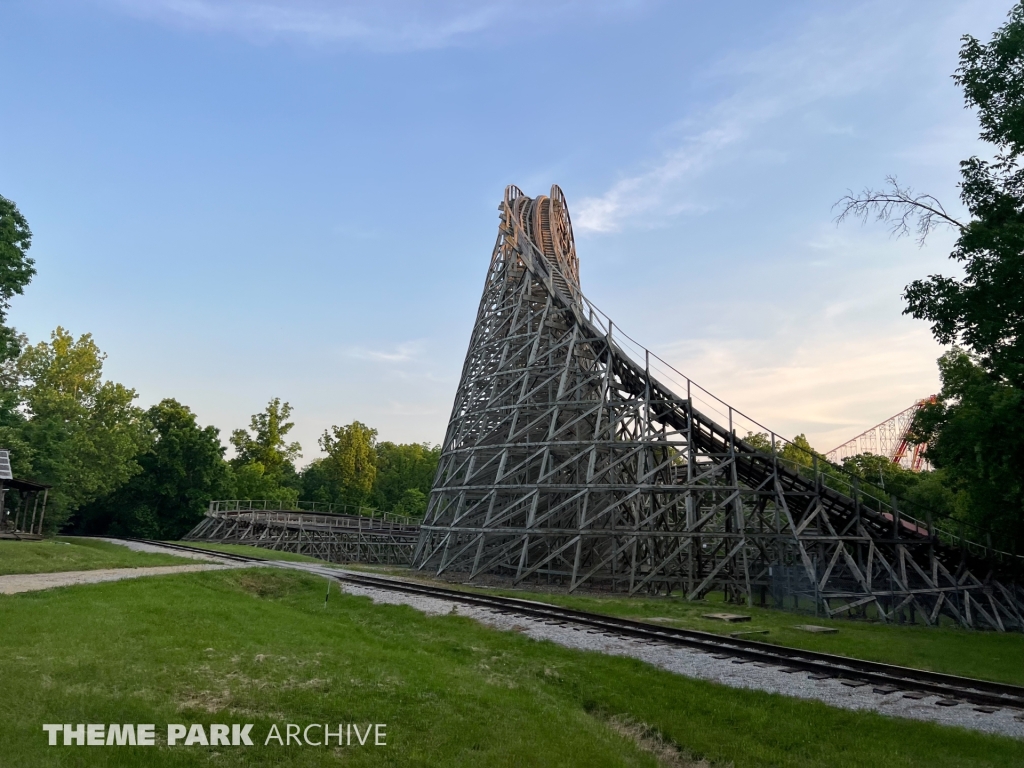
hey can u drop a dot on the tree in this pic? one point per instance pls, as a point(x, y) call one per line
point(975, 436)
point(320, 484)
point(413, 503)
point(82, 434)
point(976, 430)
point(16, 269)
point(405, 474)
point(887, 477)
point(267, 443)
point(350, 466)
point(359, 471)
point(264, 462)
point(181, 471)
point(251, 481)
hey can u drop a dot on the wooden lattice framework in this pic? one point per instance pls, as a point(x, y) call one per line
point(382, 539)
point(567, 461)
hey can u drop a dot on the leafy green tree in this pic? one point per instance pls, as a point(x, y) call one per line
point(762, 441)
point(985, 309)
point(975, 433)
point(83, 434)
point(401, 469)
point(16, 269)
point(181, 471)
point(251, 481)
point(358, 470)
point(264, 462)
point(889, 478)
point(413, 503)
point(350, 466)
point(320, 484)
point(267, 444)
point(795, 453)
point(799, 452)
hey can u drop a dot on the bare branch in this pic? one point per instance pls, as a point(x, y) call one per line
point(898, 207)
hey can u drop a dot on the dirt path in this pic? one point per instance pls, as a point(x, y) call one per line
point(31, 582)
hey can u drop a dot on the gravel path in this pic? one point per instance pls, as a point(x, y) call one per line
point(32, 582)
point(726, 671)
point(139, 546)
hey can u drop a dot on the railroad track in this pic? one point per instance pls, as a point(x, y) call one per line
point(885, 678)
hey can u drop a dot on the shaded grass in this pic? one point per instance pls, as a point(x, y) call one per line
point(74, 554)
point(259, 646)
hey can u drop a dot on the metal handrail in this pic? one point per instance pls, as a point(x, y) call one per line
point(837, 477)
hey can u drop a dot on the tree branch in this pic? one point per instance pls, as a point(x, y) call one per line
point(899, 207)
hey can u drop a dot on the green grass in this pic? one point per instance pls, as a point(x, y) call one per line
point(258, 646)
point(971, 653)
point(74, 554)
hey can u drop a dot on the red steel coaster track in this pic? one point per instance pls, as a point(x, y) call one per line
point(888, 439)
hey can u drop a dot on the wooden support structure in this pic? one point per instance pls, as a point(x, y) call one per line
point(379, 538)
point(569, 460)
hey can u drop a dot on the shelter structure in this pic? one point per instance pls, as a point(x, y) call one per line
point(576, 457)
point(22, 511)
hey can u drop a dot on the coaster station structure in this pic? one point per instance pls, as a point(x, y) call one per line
point(576, 457)
point(335, 533)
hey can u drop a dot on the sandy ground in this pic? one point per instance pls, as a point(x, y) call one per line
point(32, 582)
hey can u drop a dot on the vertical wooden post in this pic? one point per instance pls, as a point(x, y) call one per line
point(42, 514)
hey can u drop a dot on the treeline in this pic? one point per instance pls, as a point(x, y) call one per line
point(181, 467)
point(919, 494)
point(118, 469)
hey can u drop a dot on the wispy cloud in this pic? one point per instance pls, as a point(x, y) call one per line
point(650, 190)
point(829, 387)
point(822, 61)
point(390, 25)
point(400, 353)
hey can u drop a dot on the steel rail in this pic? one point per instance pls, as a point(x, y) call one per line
point(962, 689)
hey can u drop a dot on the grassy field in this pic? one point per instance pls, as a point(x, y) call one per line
point(984, 655)
point(73, 554)
point(255, 646)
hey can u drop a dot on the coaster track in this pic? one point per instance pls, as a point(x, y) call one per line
point(568, 461)
point(379, 538)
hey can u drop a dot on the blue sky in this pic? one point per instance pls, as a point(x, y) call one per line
point(247, 199)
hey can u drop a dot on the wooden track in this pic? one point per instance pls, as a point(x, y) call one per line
point(568, 461)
